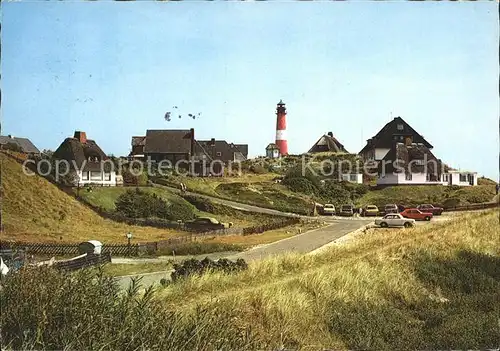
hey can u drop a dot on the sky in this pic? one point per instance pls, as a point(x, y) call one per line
point(114, 69)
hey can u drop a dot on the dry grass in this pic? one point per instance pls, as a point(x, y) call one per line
point(35, 210)
point(382, 290)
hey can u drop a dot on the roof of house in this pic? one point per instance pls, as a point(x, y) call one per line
point(71, 149)
point(327, 143)
point(25, 144)
point(385, 137)
point(168, 141)
point(404, 157)
point(272, 146)
point(138, 140)
point(227, 150)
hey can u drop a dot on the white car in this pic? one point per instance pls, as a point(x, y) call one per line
point(329, 209)
point(395, 220)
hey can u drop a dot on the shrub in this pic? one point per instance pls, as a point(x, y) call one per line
point(335, 193)
point(257, 169)
point(197, 267)
point(130, 179)
point(298, 172)
point(142, 204)
point(451, 202)
point(300, 185)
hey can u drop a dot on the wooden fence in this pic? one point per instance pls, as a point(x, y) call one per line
point(473, 207)
point(87, 260)
point(70, 249)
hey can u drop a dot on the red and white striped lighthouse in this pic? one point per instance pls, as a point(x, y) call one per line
point(281, 128)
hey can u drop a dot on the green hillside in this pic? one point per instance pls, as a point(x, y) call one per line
point(36, 210)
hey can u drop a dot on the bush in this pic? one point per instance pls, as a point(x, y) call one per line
point(130, 179)
point(300, 185)
point(335, 193)
point(142, 204)
point(257, 169)
point(451, 202)
point(196, 267)
point(298, 172)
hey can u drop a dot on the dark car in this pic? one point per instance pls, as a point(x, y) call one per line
point(347, 210)
point(205, 224)
point(430, 209)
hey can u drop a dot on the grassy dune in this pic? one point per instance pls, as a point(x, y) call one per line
point(33, 209)
point(428, 287)
point(436, 194)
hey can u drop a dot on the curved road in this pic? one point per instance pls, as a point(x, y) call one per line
point(301, 243)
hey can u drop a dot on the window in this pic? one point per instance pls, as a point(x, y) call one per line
point(95, 176)
point(353, 177)
point(463, 178)
point(445, 177)
point(85, 175)
point(420, 162)
point(345, 177)
point(107, 176)
point(219, 154)
point(400, 127)
point(408, 176)
point(400, 137)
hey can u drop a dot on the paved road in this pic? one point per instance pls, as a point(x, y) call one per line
point(301, 243)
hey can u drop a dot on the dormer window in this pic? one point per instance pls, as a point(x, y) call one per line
point(400, 127)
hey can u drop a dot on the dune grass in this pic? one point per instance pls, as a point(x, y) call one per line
point(427, 287)
point(436, 194)
point(35, 210)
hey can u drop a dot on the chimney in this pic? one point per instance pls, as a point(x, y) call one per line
point(11, 137)
point(330, 134)
point(212, 142)
point(191, 131)
point(81, 136)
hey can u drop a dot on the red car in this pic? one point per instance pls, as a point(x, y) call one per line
point(416, 214)
point(430, 208)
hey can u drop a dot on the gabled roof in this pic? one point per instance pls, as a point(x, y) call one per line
point(227, 150)
point(138, 140)
point(327, 143)
point(71, 149)
point(385, 137)
point(25, 144)
point(401, 155)
point(272, 146)
point(168, 141)
point(243, 148)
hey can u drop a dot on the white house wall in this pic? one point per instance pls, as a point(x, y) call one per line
point(102, 182)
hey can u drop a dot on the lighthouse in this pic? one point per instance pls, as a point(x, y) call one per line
point(281, 128)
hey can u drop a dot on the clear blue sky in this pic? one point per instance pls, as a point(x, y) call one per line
point(114, 69)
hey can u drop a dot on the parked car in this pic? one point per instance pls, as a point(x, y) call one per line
point(431, 208)
point(347, 210)
point(416, 214)
point(204, 224)
point(369, 210)
point(329, 209)
point(395, 220)
point(391, 208)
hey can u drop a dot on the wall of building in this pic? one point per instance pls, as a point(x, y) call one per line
point(353, 178)
point(92, 178)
